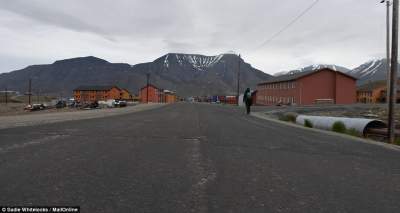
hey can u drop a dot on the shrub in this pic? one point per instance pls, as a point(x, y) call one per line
point(339, 126)
point(291, 117)
point(308, 123)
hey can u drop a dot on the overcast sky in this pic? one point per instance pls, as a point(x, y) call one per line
point(342, 32)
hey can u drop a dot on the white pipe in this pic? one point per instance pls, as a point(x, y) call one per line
point(359, 124)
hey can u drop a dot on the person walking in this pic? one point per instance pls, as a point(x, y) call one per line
point(247, 99)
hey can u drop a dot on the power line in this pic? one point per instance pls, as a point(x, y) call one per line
point(289, 24)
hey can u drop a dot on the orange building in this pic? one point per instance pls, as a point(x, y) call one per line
point(374, 92)
point(169, 97)
point(87, 94)
point(152, 93)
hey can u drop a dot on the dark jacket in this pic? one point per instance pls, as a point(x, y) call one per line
point(247, 98)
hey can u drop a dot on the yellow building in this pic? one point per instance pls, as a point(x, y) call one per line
point(126, 95)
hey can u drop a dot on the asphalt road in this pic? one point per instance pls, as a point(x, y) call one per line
point(194, 158)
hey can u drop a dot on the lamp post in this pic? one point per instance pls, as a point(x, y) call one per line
point(388, 4)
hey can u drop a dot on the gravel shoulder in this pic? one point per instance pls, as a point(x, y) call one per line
point(45, 118)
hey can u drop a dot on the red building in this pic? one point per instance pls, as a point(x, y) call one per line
point(306, 88)
point(155, 94)
point(231, 100)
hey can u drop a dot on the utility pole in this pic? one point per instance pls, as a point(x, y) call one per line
point(147, 87)
point(238, 82)
point(30, 91)
point(388, 4)
point(393, 71)
point(6, 94)
point(37, 97)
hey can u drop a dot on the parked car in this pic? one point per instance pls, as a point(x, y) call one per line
point(35, 107)
point(61, 104)
point(119, 103)
point(122, 104)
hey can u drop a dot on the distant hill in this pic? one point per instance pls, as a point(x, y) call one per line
point(187, 74)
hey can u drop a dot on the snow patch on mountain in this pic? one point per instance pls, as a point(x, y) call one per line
point(199, 62)
point(166, 62)
point(368, 69)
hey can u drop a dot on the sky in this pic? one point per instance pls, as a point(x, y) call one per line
point(342, 32)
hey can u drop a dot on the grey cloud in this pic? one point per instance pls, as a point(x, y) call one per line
point(344, 32)
point(58, 18)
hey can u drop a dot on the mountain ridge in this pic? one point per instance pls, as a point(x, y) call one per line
point(187, 74)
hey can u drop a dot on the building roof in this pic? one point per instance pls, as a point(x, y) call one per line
point(298, 75)
point(125, 90)
point(95, 88)
point(150, 85)
point(168, 92)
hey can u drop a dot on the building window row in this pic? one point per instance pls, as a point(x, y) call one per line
point(275, 99)
point(281, 85)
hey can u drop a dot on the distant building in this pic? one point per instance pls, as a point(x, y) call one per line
point(231, 100)
point(375, 92)
point(87, 94)
point(157, 95)
point(151, 92)
point(169, 97)
point(307, 88)
point(126, 95)
point(10, 93)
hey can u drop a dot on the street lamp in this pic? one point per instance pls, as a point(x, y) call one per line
point(388, 4)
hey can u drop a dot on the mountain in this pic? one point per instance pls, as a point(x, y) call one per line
point(61, 77)
point(192, 74)
point(187, 74)
point(371, 71)
point(314, 67)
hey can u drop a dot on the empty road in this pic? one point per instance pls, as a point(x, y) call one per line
point(194, 158)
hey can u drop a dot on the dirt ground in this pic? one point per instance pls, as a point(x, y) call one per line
point(43, 117)
point(18, 109)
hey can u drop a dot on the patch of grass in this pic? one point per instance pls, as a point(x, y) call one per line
point(339, 127)
point(353, 132)
point(308, 123)
point(397, 141)
point(289, 117)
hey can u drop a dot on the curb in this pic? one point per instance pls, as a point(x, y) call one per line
point(261, 115)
